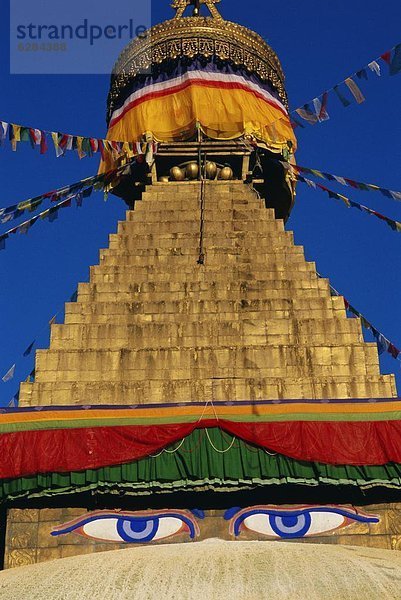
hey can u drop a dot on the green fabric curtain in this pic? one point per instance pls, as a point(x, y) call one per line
point(207, 459)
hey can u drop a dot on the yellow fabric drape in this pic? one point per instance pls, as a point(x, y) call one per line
point(222, 114)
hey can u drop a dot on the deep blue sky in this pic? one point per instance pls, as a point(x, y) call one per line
point(319, 43)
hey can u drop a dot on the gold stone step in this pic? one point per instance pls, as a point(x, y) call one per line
point(224, 203)
point(203, 390)
point(101, 282)
point(129, 364)
point(237, 308)
point(214, 226)
point(130, 332)
point(236, 239)
point(304, 277)
point(178, 216)
point(199, 333)
point(116, 296)
point(240, 242)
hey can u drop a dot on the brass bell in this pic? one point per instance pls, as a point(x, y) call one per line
point(211, 170)
point(226, 173)
point(192, 170)
point(164, 179)
point(177, 174)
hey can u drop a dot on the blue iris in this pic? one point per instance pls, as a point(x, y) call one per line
point(137, 529)
point(290, 526)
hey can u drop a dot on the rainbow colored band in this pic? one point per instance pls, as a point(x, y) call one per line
point(262, 411)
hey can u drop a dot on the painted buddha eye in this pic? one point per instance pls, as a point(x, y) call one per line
point(138, 527)
point(294, 523)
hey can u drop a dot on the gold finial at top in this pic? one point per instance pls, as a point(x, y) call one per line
point(181, 5)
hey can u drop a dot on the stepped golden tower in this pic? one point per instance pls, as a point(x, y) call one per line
point(205, 384)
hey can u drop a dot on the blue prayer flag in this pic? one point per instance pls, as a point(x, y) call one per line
point(395, 65)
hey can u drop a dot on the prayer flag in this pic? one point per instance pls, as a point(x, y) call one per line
point(15, 136)
point(14, 401)
point(43, 143)
point(53, 214)
point(9, 375)
point(375, 67)
point(340, 180)
point(386, 57)
point(307, 114)
point(362, 74)
point(29, 349)
point(59, 151)
point(321, 107)
point(395, 65)
point(395, 353)
point(381, 341)
point(355, 91)
point(296, 123)
point(344, 101)
point(3, 131)
point(24, 228)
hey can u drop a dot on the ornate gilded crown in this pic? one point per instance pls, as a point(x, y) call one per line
point(197, 36)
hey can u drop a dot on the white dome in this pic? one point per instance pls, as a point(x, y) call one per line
point(213, 570)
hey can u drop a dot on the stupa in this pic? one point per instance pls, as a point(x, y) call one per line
point(205, 384)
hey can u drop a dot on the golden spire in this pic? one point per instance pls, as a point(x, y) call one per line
point(181, 5)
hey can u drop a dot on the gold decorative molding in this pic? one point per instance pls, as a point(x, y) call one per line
point(189, 37)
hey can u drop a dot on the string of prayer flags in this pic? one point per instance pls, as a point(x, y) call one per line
point(26, 225)
point(315, 111)
point(383, 344)
point(394, 225)
point(11, 372)
point(346, 181)
point(79, 190)
point(63, 142)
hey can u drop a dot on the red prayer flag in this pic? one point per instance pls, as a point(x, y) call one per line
point(386, 57)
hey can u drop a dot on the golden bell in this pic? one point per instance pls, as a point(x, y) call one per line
point(164, 179)
point(211, 170)
point(177, 174)
point(192, 170)
point(226, 173)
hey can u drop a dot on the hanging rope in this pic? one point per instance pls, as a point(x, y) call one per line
point(201, 257)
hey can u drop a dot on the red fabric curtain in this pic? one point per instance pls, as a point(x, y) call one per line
point(62, 450)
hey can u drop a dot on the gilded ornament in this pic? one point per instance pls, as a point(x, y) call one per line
point(177, 174)
point(226, 173)
point(211, 170)
point(192, 170)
